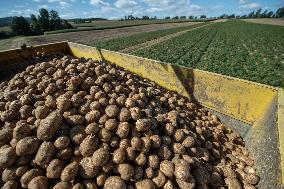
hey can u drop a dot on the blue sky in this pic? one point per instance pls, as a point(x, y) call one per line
point(115, 9)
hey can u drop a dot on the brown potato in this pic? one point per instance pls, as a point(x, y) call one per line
point(7, 156)
point(39, 182)
point(114, 182)
point(27, 145)
point(89, 145)
point(55, 168)
point(44, 154)
point(29, 175)
point(87, 169)
point(146, 183)
point(69, 172)
point(100, 157)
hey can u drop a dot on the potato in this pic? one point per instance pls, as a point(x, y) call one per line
point(6, 134)
point(63, 185)
point(78, 186)
point(90, 184)
point(75, 120)
point(29, 175)
point(22, 130)
point(100, 157)
point(104, 135)
point(111, 124)
point(114, 182)
point(64, 154)
point(69, 172)
point(123, 129)
point(153, 161)
point(126, 171)
point(145, 184)
point(167, 167)
point(22, 170)
point(164, 152)
point(143, 124)
point(111, 111)
point(169, 185)
point(159, 180)
point(41, 112)
point(185, 185)
point(89, 145)
point(87, 169)
point(233, 183)
point(124, 115)
point(141, 159)
point(27, 145)
point(118, 156)
point(9, 174)
point(92, 129)
point(62, 142)
point(7, 156)
point(44, 154)
point(101, 178)
point(49, 125)
point(39, 182)
point(11, 184)
point(182, 170)
point(55, 168)
point(77, 134)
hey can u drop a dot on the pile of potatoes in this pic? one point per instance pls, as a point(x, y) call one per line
point(69, 122)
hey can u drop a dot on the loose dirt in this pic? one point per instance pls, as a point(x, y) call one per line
point(272, 21)
point(87, 37)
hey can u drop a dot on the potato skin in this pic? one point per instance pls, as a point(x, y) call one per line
point(29, 175)
point(39, 182)
point(55, 168)
point(146, 183)
point(114, 182)
point(89, 145)
point(87, 169)
point(7, 156)
point(69, 172)
point(49, 125)
point(63, 185)
point(27, 146)
point(100, 157)
point(11, 184)
point(45, 154)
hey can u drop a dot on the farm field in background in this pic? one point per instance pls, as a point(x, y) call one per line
point(235, 48)
point(124, 42)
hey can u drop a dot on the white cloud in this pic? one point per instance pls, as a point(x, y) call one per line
point(43, 6)
point(242, 1)
point(64, 4)
point(52, 1)
point(22, 12)
point(99, 3)
point(125, 3)
point(37, 0)
point(249, 6)
point(154, 10)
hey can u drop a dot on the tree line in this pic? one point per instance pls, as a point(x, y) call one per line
point(45, 21)
point(258, 14)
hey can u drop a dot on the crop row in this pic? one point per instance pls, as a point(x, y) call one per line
point(124, 42)
point(236, 48)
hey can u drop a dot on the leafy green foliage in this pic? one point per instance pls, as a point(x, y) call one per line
point(20, 26)
point(124, 42)
point(235, 48)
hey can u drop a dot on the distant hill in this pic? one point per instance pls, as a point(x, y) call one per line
point(91, 19)
point(6, 21)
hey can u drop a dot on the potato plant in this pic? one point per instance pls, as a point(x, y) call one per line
point(71, 122)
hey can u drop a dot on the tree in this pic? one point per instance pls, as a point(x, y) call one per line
point(55, 20)
point(191, 17)
point(182, 17)
point(280, 13)
point(43, 20)
point(258, 13)
point(20, 26)
point(251, 15)
point(269, 14)
point(35, 27)
point(167, 18)
point(203, 16)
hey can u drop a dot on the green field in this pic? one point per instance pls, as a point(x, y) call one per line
point(5, 28)
point(235, 48)
point(124, 42)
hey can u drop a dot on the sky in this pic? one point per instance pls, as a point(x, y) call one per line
point(116, 9)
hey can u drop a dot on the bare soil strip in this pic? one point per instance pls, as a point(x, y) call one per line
point(272, 21)
point(156, 41)
point(87, 37)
